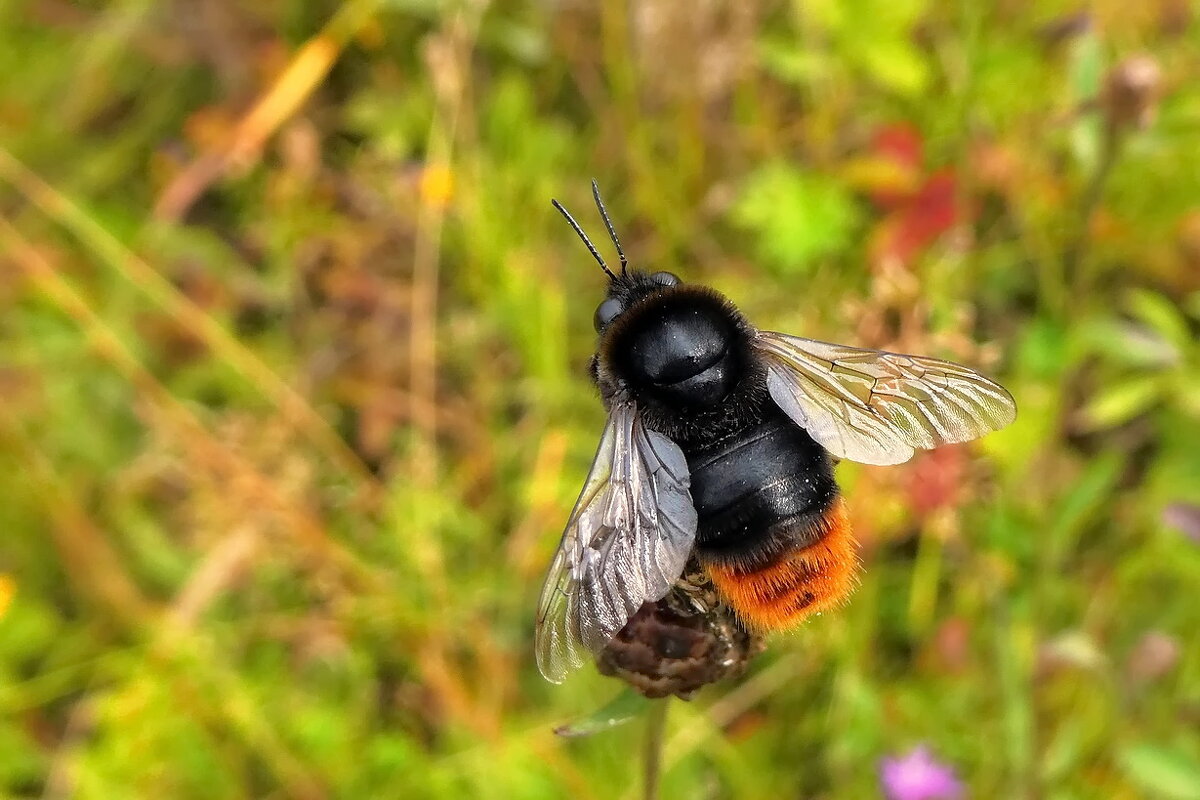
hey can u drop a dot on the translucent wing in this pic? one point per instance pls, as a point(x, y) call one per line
point(626, 543)
point(875, 407)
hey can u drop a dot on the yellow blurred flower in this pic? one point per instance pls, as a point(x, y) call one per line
point(437, 185)
point(8, 588)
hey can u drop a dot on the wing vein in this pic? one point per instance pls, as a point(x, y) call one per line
point(877, 407)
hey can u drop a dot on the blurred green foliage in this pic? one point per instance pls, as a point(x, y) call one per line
point(292, 356)
point(775, 196)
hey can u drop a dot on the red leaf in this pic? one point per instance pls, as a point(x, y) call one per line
point(918, 222)
point(900, 142)
point(936, 479)
point(901, 145)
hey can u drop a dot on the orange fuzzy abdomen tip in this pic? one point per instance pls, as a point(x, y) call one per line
point(797, 583)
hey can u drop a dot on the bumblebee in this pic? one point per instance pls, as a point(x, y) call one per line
point(718, 449)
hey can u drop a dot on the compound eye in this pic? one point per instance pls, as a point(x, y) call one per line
point(665, 278)
point(606, 312)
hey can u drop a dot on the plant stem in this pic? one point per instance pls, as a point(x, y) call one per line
point(656, 725)
point(1075, 266)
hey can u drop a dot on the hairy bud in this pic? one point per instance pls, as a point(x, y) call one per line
point(1131, 93)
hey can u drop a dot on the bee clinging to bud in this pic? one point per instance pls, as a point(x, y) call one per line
point(718, 453)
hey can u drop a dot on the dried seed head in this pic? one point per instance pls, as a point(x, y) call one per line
point(1131, 93)
point(679, 644)
point(1153, 657)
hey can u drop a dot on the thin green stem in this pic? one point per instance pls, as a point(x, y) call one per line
point(1075, 258)
point(656, 725)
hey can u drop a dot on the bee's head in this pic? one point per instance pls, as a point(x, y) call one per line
point(627, 290)
point(665, 341)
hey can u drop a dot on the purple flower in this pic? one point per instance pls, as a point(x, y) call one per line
point(917, 776)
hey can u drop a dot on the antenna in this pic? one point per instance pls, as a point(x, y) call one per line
point(612, 234)
point(591, 247)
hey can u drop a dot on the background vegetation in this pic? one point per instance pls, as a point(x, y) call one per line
point(294, 404)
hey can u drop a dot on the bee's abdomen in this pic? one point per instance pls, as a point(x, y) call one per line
point(746, 484)
point(812, 566)
point(773, 532)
